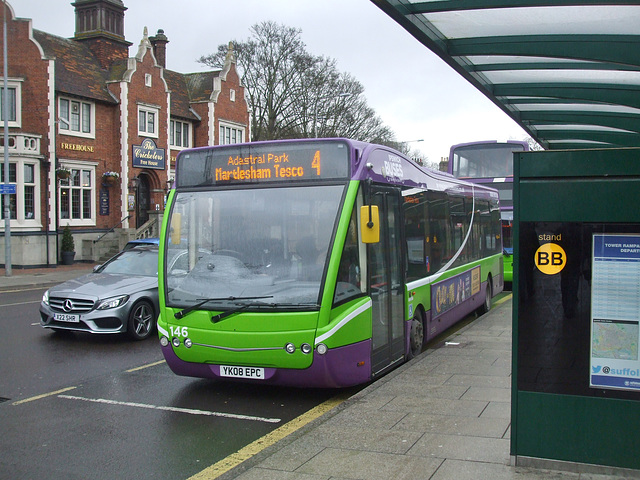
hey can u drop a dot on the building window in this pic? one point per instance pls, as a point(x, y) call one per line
point(76, 118)
point(230, 134)
point(179, 134)
point(232, 95)
point(77, 196)
point(23, 208)
point(147, 79)
point(14, 102)
point(147, 121)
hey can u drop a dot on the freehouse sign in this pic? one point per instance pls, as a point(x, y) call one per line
point(148, 155)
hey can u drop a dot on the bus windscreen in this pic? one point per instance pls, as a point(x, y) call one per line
point(263, 163)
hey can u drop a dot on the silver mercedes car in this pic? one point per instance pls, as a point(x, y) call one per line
point(120, 296)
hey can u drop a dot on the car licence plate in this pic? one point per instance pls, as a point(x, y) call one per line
point(256, 373)
point(66, 317)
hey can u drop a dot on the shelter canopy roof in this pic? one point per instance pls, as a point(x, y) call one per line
point(567, 71)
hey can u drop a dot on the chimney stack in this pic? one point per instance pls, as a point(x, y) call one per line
point(159, 43)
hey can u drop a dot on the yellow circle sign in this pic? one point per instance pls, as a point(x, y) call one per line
point(550, 258)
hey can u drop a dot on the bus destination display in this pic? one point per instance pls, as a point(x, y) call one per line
point(266, 166)
point(262, 164)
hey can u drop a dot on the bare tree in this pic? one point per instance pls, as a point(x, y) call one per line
point(294, 94)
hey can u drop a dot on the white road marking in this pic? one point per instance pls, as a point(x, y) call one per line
point(173, 409)
point(19, 303)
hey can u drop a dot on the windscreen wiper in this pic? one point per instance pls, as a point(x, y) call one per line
point(239, 308)
point(193, 307)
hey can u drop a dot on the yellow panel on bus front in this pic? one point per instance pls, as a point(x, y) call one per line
point(250, 338)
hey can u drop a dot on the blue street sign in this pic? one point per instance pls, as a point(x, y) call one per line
point(10, 188)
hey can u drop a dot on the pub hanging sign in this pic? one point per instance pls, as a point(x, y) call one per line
point(148, 155)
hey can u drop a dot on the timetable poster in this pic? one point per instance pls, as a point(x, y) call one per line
point(615, 312)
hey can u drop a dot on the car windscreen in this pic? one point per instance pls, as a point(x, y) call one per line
point(135, 261)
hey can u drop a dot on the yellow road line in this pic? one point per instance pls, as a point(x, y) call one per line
point(235, 459)
point(44, 395)
point(502, 300)
point(145, 366)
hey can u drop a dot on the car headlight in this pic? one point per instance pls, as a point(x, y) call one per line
point(113, 302)
point(45, 298)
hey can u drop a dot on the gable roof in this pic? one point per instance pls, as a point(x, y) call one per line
point(567, 71)
point(201, 85)
point(180, 101)
point(77, 70)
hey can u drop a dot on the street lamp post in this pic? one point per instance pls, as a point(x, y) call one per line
point(5, 115)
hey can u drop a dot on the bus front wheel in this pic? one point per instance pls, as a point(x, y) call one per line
point(416, 336)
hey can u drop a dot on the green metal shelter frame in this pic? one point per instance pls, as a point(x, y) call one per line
point(567, 71)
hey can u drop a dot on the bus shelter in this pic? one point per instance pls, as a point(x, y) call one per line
point(568, 72)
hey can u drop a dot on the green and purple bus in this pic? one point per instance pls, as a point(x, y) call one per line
point(317, 263)
point(491, 163)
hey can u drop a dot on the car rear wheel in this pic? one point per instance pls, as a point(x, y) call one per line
point(141, 318)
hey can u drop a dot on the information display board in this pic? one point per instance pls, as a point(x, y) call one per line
point(615, 312)
point(263, 163)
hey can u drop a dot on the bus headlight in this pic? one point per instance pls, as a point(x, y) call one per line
point(188, 342)
point(176, 342)
point(305, 348)
point(290, 347)
point(321, 349)
point(164, 341)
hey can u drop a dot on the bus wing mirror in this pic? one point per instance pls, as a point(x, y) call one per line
point(176, 226)
point(369, 224)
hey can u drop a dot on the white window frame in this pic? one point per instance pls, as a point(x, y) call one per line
point(13, 84)
point(172, 137)
point(65, 125)
point(143, 128)
point(226, 133)
point(64, 185)
point(148, 79)
point(21, 222)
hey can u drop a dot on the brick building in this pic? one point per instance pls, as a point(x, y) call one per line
point(81, 109)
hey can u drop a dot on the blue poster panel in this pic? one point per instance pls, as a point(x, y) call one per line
point(615, 312)
point(451, 292)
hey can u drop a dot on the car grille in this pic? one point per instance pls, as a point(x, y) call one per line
point(70, 305)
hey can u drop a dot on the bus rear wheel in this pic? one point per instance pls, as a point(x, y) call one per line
point(488, 295)
point(416, 335)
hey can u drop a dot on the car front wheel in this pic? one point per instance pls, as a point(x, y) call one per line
point(140, 325)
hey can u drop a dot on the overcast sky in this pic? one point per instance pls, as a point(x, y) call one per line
point(414, 92)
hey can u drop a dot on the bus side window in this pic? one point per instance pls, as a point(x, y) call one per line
point(438, 232)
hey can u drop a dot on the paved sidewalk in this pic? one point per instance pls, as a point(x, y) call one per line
point(42, 277)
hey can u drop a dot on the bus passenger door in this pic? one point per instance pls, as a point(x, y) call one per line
point(386, 282)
